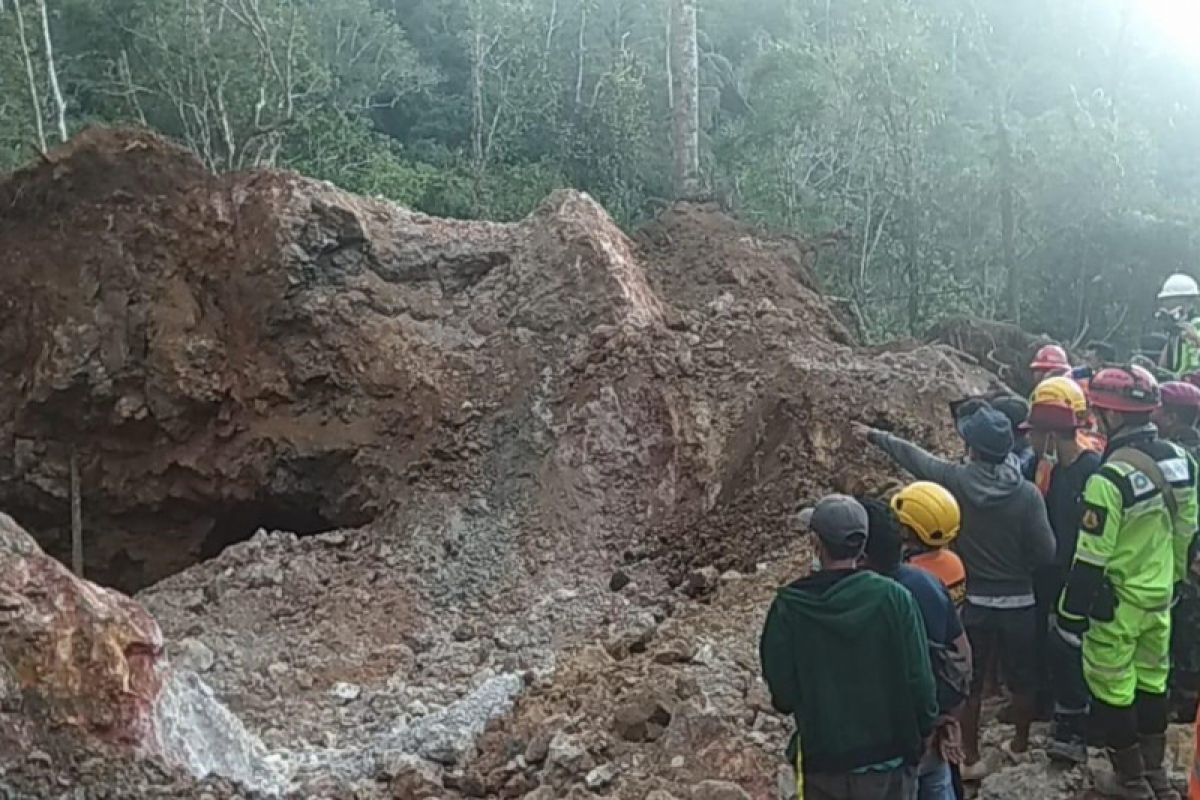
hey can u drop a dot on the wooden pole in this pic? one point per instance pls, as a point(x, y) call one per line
point(76, 519)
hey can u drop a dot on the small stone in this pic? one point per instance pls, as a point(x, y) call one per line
point(39, 757)
point(702, 581)
point(659, 794)
point(193, 600)
point(641, 718)
point(785, 780)
point(333, 538)
point(676, 651)
point(346, 692)
point(567, 755)
point(410, 776)
point(538, 747)
point(758, 697)
point(601, 776)
point(278, 670)
point(194, 654)
point(719, 790)
point(731, 576)
point(677, 762)
point(619, 581)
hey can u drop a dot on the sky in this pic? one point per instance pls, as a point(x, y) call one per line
point(1178, 21)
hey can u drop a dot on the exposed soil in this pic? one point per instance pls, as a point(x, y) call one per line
point(545, 473)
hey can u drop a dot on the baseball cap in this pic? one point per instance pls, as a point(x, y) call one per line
point(838, 519)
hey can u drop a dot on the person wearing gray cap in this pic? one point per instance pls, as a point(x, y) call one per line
point(844, 651)
point(1005, 537)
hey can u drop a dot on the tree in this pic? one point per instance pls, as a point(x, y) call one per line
point(685, 76)
point(35, 101)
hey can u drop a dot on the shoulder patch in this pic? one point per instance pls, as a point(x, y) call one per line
point(1093, 519)
point(1176, 471)
point(1142, 486)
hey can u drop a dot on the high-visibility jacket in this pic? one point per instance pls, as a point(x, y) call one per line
point(1183, 357)
point(1128, 537)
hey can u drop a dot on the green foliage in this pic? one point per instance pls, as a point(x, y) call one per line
point(905, 125)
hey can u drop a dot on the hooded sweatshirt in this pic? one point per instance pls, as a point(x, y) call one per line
point(845, 653)
point(1005, 533)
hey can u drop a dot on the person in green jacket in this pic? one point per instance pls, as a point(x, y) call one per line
point(844, 651)
point(1139, 518)
point(1177, 309)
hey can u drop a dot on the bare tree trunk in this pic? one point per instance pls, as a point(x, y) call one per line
point(911, 245)
point(60, 105)
point(76, 519)
point(1008, 221)
point(581, 55)
point(669, 62)
point(477, 97)
point(686, 116)
point(34, 100)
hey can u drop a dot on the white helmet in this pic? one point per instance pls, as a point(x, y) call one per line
point(1179, 287)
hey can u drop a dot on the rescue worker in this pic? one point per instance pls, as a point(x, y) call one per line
point(1016, 408)
point(1049, 361)
point(1059, 410)
point(949, 651)
point(1005, 537)
point(1176, 422)
point(1177, 310)
point(929, 520)
point(844, 651)
point(1139, 518)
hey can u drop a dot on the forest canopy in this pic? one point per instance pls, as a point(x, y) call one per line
point(1015, 159)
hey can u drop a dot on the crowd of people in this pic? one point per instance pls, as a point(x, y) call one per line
point(1053, 564)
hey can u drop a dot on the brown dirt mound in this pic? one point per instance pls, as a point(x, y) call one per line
point(512, 413)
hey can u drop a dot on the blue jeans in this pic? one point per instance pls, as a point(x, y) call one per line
point(933, 781)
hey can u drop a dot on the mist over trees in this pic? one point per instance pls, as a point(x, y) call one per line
point(1016, 159)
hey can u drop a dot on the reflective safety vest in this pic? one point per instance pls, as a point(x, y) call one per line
point(1128, 530)
point(1183, 357)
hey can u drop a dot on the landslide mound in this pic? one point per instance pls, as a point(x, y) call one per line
point(261, 350)
point(533, 429)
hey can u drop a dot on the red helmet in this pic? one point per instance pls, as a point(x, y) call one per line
point(1050, 356)
point(1180, 395)
point(1130, 389)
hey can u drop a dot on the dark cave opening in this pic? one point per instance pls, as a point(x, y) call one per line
point(240, 521)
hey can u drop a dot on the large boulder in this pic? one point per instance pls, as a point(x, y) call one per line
point(78, 655)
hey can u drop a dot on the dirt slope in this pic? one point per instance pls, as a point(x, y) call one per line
point(514, 419)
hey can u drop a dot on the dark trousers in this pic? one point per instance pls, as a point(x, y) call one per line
point(1060, 662)
point(895, 784)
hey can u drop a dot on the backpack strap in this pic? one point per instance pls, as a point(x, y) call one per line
point(1146, 464)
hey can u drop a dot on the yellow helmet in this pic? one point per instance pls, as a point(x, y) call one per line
point(930, 511)
point(1061, 391)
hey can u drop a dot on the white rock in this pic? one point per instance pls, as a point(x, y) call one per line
point(194, 654)
point(601, 776)
point(346, 692)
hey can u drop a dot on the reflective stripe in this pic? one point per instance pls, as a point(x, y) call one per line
point(1007, 601)
point(1091, 559)
point(1070, 638)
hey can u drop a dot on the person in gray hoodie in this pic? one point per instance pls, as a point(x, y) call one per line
point(1005, 536)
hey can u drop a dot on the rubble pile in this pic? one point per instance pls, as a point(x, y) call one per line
point(535, 480)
